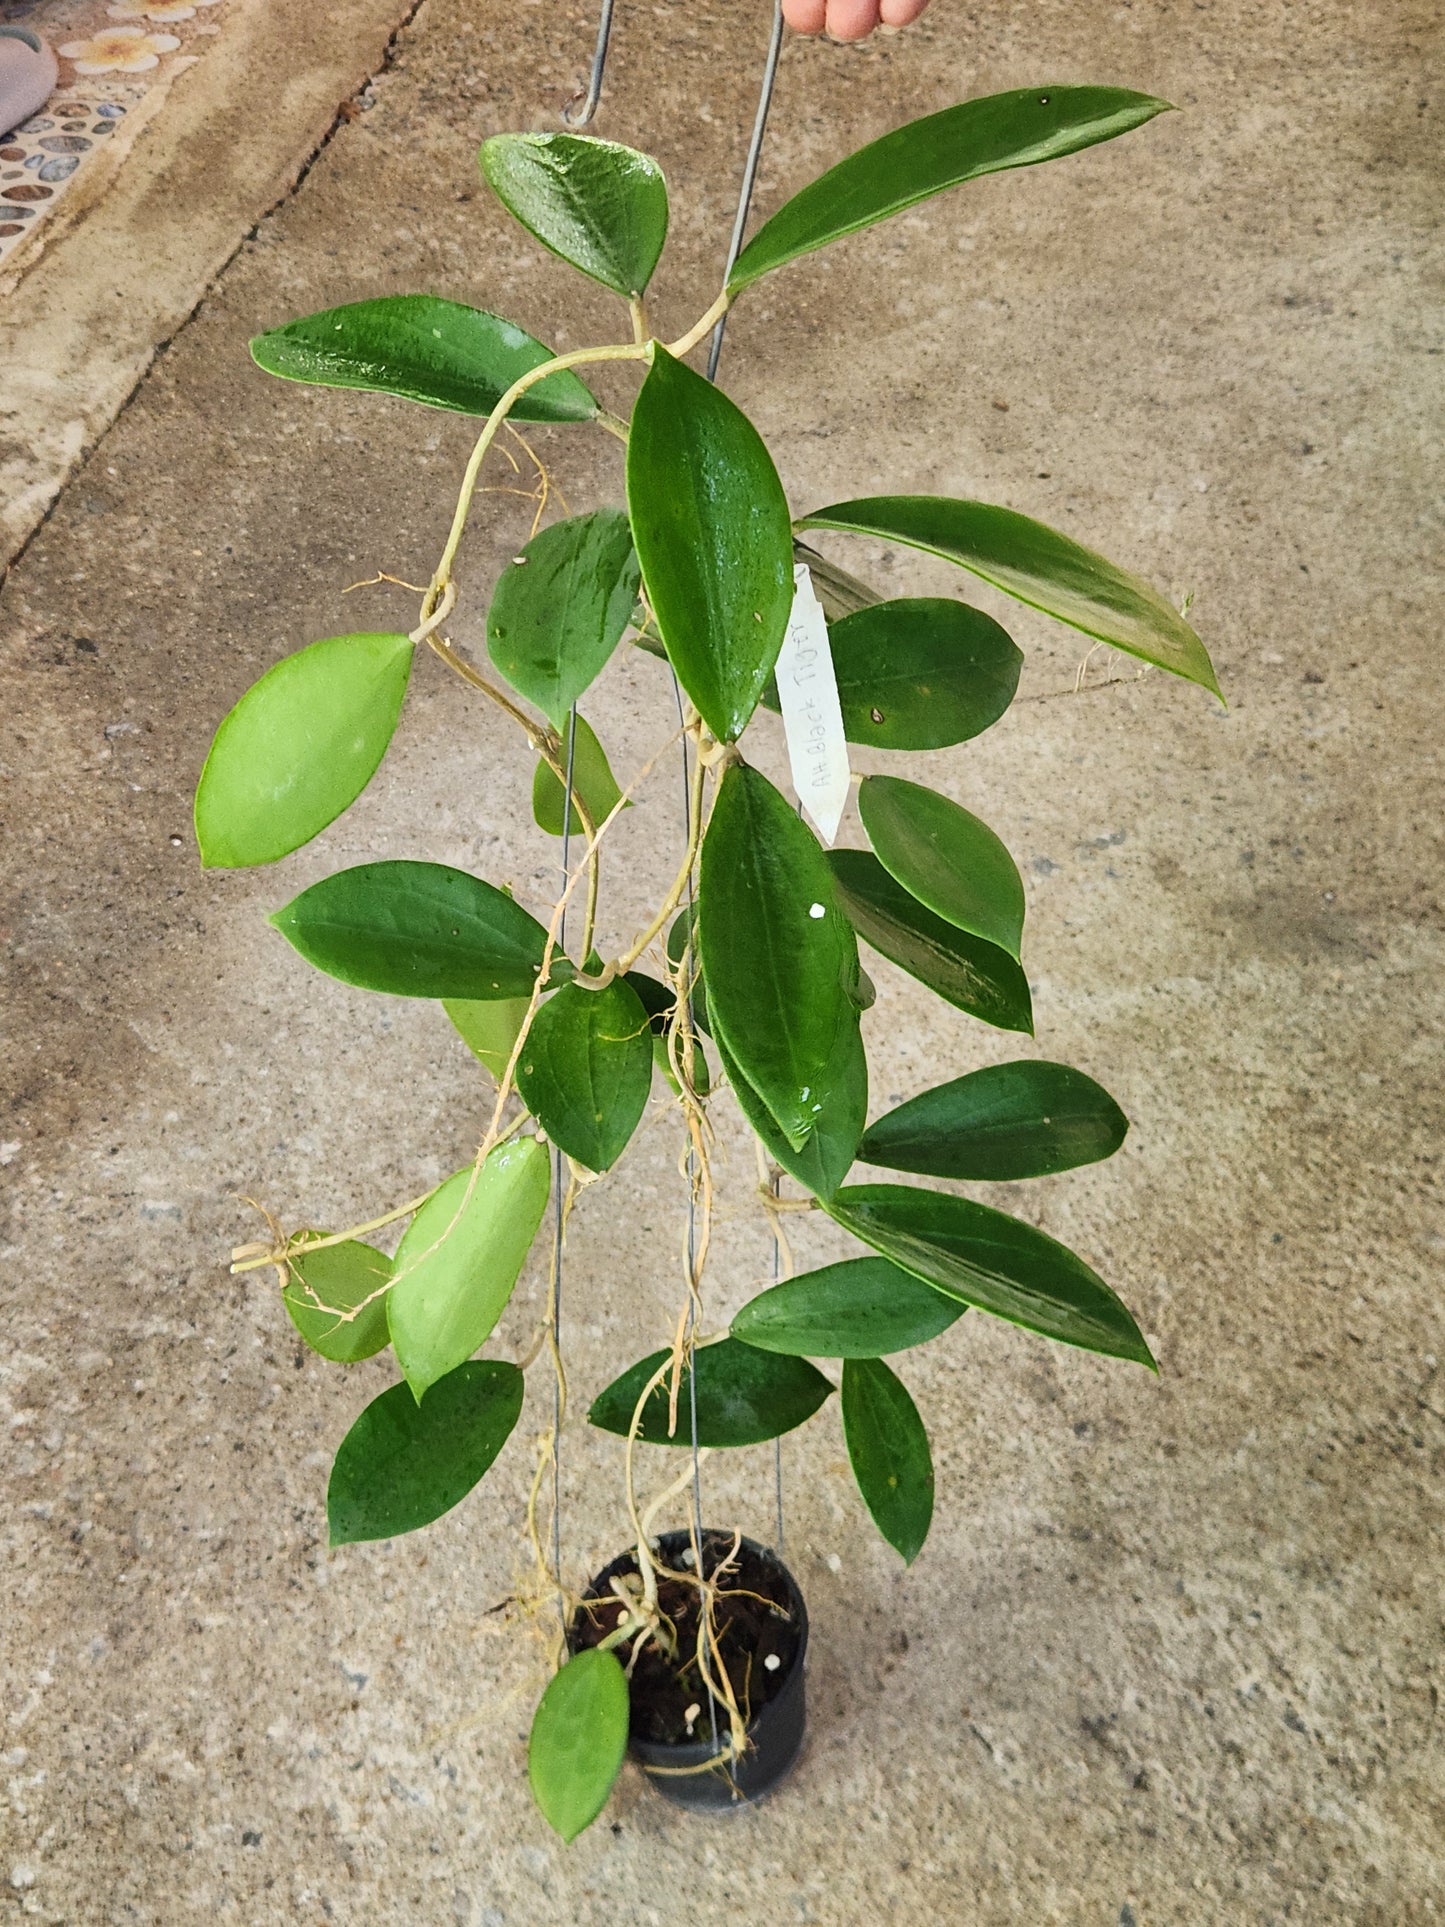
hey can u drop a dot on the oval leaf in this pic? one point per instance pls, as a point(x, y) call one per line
point(948, 859)
point(1039, 566)
point(299, 748)
point(602, 207)
point(862, 1308)
point(416, 930)
point(328, 1283)
point(579, 1740)
point(922, 673)
point(560, 607)
point(827, 1156)
point(402, 1465)
point(710, 521)
point(965, 971)
point(586, 1070)
point(489, 1029)
point(743, 1397)
point(998, 1263)
point(592, 782)
point(1021, 1120)
point(888, 1449)
point(927, 156)
point(459, 1259)
point(424, 349)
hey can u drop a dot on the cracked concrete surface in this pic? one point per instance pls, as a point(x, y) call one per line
point(1172, 1654)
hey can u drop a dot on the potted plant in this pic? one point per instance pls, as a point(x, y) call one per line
point(746, 977)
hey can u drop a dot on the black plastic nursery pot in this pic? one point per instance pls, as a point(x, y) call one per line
point(765, 1620)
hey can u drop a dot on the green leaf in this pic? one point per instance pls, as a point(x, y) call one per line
point(490, 1028)
point(743, 1397)
point(658, 1001)
point(1039, 566)
point(862, 1308)
point(402, 1464)
point(458, 1262)
point(948, 859)
point(427, 350)
point(998, 1263)
point(965, 971)
point(889, 1451)
point(827, 1156)
point(941, 151)
point(841, 594)
point(299, 748)
point(416, 930)
point(592, 781)
point(333, 1280)
point(779, 955)
point(600, 206)
point(586, 1070)
point(710, 521)
point(1020, 1120)
point(560, 607)
point(683, 925)
point(579, 1740)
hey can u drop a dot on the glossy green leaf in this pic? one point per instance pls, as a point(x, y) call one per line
point(862, 1308)
point(1039, 566)
point(560, 607)
point(459, 1259)
point(922, 673)
point(827, 1156)
point(964, 970)
point(948, 859)
point(984, 1258)
point(743, 1397)
point(888, 1449)
point(586, 1070)
point(710, 521)
point(402, 1464)
point(1021, 1120)
point(579, 1740)
point(602, 207)
point(299, 748)
point(327, 1283)
point(427, 350)
point(940, 151)
point(779, 955)
point(416, 930)
point(592, 781)
point(489, 1028)
point(683, 925)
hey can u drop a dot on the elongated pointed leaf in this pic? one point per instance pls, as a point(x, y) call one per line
point(743, 1397)
point(416, 930)
point(964, 970)
point(299, 748)
point(1021, 1120)
point(600, 206)
point(489, 1028)
point(827, 1156)
point(458, 1262)
point(985, 1258)
point(1039, 566)
point(947, 858)
point(888, 1448)
point(560, 607)
point(402, 1464)
point(586, 1070)
point(424, 349)
point(592, 781)
point(862, 1308)
point(579, 1740)
point(328, 1283)
point(943, 150)
point(710, 521)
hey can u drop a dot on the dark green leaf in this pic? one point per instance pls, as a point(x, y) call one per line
point(1021, 1120)
point(743, 1397)
point(579, 1740)
point(489, 1028)
point(332, 1281)
point(427, 350)
point(862, 1308)
point(710, 521)
point(402, 1464)
point(948, 859)
point(841, 594)
point(299, 747)
point(965, 971)
point(683, 925)
point(889, 1451)
point(600, 206)
point(592, 781)
point(560, 607)
point(1039, 566)
point(827, 1156)
point(586, 1070)
point(998, 1263)
point(922, 673)
point(658, 1000)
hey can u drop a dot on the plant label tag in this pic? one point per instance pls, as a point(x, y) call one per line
point(812, 714)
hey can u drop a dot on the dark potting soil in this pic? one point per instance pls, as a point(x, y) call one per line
point(753, 1623)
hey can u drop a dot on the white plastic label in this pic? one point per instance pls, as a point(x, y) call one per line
point(812, 715)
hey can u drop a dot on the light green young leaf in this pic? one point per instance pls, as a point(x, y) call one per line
point(586, 1070)
point(332, 1281)
point(1022, 1120)
point(600, 206)
point(579, 1740)
point(592, 780)
point(948, 859)
point(560, 607)
point(888, 1449)
point(489, 1028)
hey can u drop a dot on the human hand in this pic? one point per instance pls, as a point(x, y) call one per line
point(849, 19)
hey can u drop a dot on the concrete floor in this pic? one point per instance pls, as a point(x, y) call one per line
point(1172, 1654)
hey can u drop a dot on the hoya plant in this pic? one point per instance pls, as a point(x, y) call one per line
point(745, 983)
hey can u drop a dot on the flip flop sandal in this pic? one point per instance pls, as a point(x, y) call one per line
point(28, 73)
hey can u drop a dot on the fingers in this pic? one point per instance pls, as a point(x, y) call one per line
point(805, 16)
point(852, 19)
point(901, 13)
